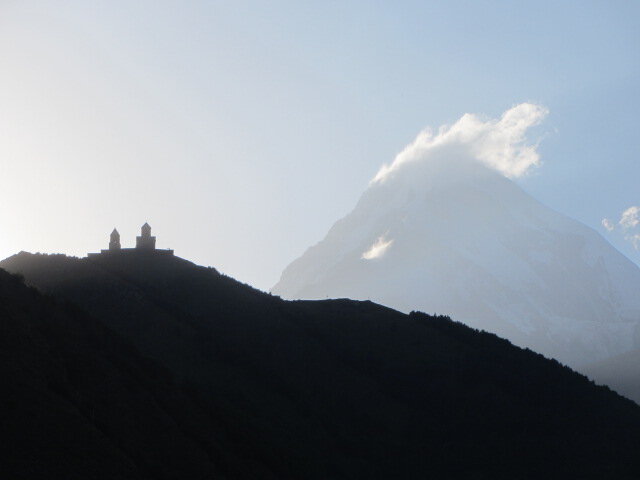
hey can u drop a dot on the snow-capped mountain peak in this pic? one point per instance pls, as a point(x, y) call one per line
point(443, 230)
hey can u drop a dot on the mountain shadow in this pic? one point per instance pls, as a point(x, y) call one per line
point(317, 389)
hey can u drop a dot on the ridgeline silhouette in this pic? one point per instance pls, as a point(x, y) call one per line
point(148, 366)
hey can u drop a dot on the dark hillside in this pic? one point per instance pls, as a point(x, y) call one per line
point(345, 389)
point(79, 402)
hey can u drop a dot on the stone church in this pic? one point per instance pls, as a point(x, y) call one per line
point(145, 243)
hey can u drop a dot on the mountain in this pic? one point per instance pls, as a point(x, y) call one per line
point(449, 234)
point(79, 402)
point(257, 387)
point(620, 372)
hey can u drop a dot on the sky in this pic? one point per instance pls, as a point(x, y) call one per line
point(241, 131)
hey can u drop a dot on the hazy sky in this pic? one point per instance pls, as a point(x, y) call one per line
point(242, 130)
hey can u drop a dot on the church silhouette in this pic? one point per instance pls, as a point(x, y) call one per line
point(145, 243)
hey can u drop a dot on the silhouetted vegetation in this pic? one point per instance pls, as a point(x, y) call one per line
point(240, 383)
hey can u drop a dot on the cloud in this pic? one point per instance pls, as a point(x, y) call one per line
point(629, 225)
point(630, 218)
point(378, 249)
point(608, 224)
point(498, 143)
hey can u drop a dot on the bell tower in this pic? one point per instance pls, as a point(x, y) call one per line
point(114, 241)
point(145, 241)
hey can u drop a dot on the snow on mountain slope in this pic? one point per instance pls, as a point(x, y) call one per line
point(444, 230)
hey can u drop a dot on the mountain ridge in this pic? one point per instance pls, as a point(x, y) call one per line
point(344, 389)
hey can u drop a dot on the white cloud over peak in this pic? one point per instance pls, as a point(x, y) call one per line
point(498, 143)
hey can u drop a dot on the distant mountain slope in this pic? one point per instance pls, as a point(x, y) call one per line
point(345, 389)
point(447, 234)
point(78, 402)
point(621, 373)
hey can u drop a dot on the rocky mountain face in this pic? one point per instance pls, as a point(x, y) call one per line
point(450, 235)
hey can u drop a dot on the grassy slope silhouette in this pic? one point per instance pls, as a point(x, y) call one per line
point(337, 388)
point(79, 402)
